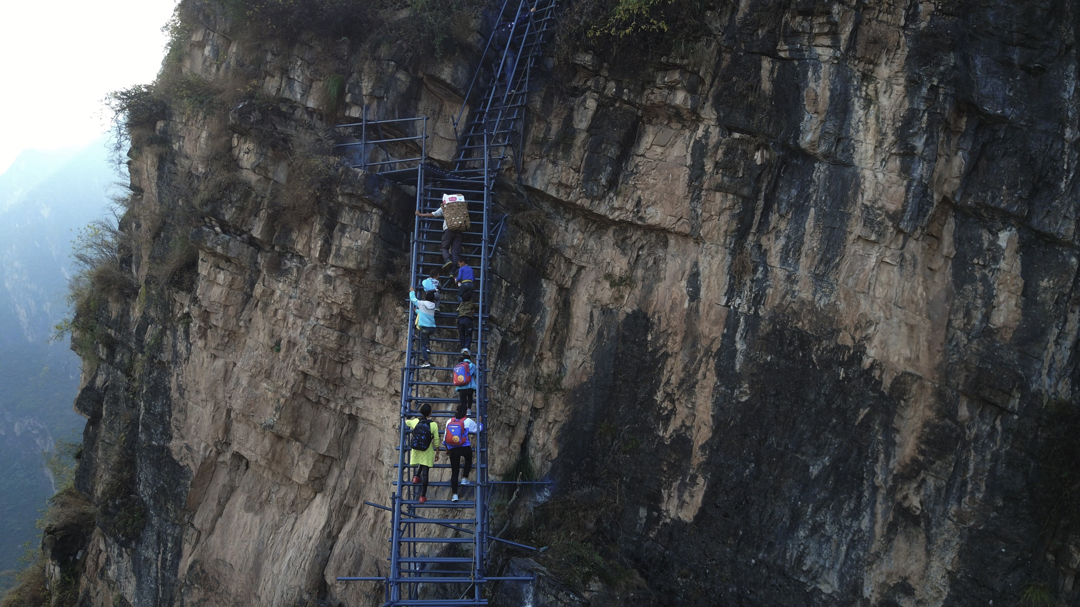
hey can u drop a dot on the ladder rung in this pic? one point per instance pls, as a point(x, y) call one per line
point(436, 540)
point(441, 521)
point(434, 580)
point(442, 602)
point(437, 559)
point(447, 467)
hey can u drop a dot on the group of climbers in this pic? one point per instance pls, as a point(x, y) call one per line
point(487, 137)
point(428, 304)
point(425, 441)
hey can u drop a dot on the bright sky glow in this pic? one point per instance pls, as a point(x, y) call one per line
point(61, 58)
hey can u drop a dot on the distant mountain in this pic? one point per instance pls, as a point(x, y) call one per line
point(45, 197)
point(28, 171)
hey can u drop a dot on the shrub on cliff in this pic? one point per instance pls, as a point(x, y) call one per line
point(30, 589)
point(428, 26)
point(66, 526)
point(98, 278)
point(635, 30)
point(334, 18)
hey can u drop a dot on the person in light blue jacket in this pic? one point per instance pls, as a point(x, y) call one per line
point(431, 284)
point(425, 322)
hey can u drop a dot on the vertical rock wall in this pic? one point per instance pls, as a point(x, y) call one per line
point(782, 313)
point(819, 274)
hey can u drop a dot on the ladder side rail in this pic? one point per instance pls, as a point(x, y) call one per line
point(502, 110)
point(533, 52)
point(481, 408)
point(395, 537)
point(476, 74)
point(394, 590)
point(498, 72)
point(532, 41)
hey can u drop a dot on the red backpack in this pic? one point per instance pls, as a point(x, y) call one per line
point(462, 374)
point(456, 434)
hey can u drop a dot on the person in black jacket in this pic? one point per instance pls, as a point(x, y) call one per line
point(500, 41)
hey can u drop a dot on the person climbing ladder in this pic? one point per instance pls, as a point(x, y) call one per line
point(466, 310)
point(425, 323)
point(424, 446)
point(501, 39)
point(456, 439)
point(454, 212)
point(431, 284)
point(464, 279)
point(465, 381)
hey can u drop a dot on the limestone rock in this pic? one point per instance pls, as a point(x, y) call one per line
point(787, 309)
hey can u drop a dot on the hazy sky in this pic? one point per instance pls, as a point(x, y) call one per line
point(60, 59)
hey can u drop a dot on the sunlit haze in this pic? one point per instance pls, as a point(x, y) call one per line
point(61, 58)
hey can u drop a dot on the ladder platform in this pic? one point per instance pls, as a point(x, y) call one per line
point(434, 580)
point(440, 504)
point(439, 521)
point(437, 559)
point(439, 602)
point(437, 540)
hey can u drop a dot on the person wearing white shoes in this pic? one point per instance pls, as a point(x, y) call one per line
point(458, 446)
point(464, 376)
point(425, 322)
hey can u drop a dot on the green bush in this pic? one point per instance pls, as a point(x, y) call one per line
point(335, 93)
point(136, 106)
point(630, 31)
point(30, 589)
point(627, 17)
point(1037, 595)
point(289, 18)
point(98, 279)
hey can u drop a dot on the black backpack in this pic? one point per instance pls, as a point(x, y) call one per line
point(502, 35)
point(421, 435)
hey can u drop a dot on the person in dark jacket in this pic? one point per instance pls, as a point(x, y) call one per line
point(466, 310)
point(501, 39)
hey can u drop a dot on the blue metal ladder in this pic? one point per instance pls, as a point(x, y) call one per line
point(439, 548)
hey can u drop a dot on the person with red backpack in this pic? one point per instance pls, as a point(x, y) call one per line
point(456, 439)
point(465, 381)
point(423, 443)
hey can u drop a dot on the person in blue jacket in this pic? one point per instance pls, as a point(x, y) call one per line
point(467, 393)
point(425, 323)
point(464, 279)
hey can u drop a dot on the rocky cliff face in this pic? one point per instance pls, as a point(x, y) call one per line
point(787, 317)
